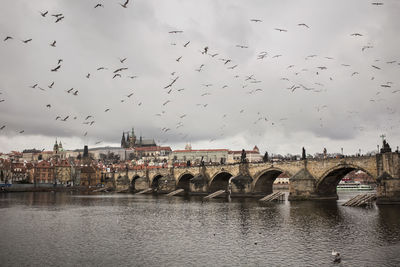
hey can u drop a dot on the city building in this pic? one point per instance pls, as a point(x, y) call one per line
point(254, 155)
point(44, 172)
point(62, 172)
point(132, 142)
point(196, 155)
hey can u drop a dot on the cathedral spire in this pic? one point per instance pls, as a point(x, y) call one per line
point(123, 143)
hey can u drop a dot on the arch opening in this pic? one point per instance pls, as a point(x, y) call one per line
point(220, 182)
point(133, 182)
point(184, 182)
point(345, 179)
point(265, 183)
point(156, 182)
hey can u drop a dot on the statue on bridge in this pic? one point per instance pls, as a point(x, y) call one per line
point(385, 147)
point(303, 154)
point(243, 157)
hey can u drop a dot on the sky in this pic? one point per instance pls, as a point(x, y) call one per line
point(309, 73)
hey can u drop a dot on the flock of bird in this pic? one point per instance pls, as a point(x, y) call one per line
point(250, 84)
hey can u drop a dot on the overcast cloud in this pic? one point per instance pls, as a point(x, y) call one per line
point(343, 105)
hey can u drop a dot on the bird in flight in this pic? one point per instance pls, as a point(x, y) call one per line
point(166, 102)
point(375, 67)
point(21, 131)
point(173, 81)
point(8, 38)
point(101, 68)
point(34, 86)
point(59, 19)
point(242, 46)
point(69, 91)
point(59, 61)
point(120, 69)
point(179, 58)
point(53, 44)
point(186, 44)
point(51, 85)
point(130, 95)
point(88, 117)
point(122, 60)
point(116, 75)
point(231, 68)
point(98, 5)
point(88, 75)
point(256, 20)
point(205, 50)
point(56, 68)
point(365, 47)
point(43, 13)
point(2, 127)
point(27, 41)
point(57, 15)
point(280, 30)
point(107, 110)
point(377, 3)
point(356, 34)
point(66, 118)
point(48, 106)
point(303, 24)
point(175, 32)
point(125, 5)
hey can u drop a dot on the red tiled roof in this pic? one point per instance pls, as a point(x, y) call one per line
point(152, 148)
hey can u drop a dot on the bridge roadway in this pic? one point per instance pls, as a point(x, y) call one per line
point(310, 179)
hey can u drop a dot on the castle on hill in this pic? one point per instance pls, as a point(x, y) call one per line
point(130, 141)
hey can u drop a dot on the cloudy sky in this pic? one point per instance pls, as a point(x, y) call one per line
point(332, 81)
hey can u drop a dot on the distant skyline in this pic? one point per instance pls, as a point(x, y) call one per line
point(217, 74)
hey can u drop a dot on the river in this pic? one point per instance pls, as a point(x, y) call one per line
point(64, 229)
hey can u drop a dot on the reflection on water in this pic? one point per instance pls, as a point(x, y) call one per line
point(64, 229)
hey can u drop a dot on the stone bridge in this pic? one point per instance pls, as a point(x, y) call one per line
point(310, 179)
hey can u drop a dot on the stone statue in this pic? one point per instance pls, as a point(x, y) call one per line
point(303, 154)
point(385, 148)
point(243, 156)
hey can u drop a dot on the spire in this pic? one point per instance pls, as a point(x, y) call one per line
point(123, 144)
point(133, 132)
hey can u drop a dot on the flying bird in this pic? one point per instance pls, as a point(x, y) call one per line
point(98, 5)
point(280, 30)
point(377, 3)
point(175, 32)
point(76, 92)
point(2, 127)
point(303, 24)
point(120, 69)
point(101, 68)
point(116, 75)
point(59, 61)
point(366, 47)
point(166, 102)
point(57, 15)
point(186, 44)
point(69, 91)
point(179, 58)
point(53, 44)
point(27, 41)
point(59, 19)
point(122, 60)
point(48, 106)
point(7, 38)
point(256, 20)
point(88, 75)
point(375, 67)
point(205, 50)
point(43, 13)
point(356, 34)
point(56, 68)
point(130, 95)
point(125, 5)
point(242, 46)
point(21, 131)
point(34, 86)
point(107, 110)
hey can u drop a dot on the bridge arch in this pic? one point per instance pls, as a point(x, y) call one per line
point(264, 181)
point(183, 181)
point(133, 181)
point(219, 181)
point(326, 185)
point(155, 181)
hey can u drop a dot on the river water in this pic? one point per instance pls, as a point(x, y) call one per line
point(63, 229)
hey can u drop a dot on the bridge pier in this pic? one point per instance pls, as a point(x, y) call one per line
point(241, 184)
point(302, 186)
point(388, 190)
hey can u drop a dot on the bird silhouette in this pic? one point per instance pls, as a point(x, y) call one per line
point(56, 68)
point(21, 131)
point(120, 69)
point(66, 118)
point(375, 67)
point(27, 41)
point(59, 19)
point(125, 5)
point(280, 30)
point(186, 44)
point(107, 110)
point(303, 24)
point(76, 92)
point(116, 75)
point(356, 34)
point(43, 13)
point(256, 20)
point(53, 44)
point(48, 106)
point(2, 127)
point(179, 58)
point(34, 86)
point(98, 5)
point(122, 60)
point(8, 38)
point(88, 117)
point(175, 32)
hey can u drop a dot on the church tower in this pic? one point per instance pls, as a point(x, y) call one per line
point(132, 140)
point(123, 142)
point(55, 147)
